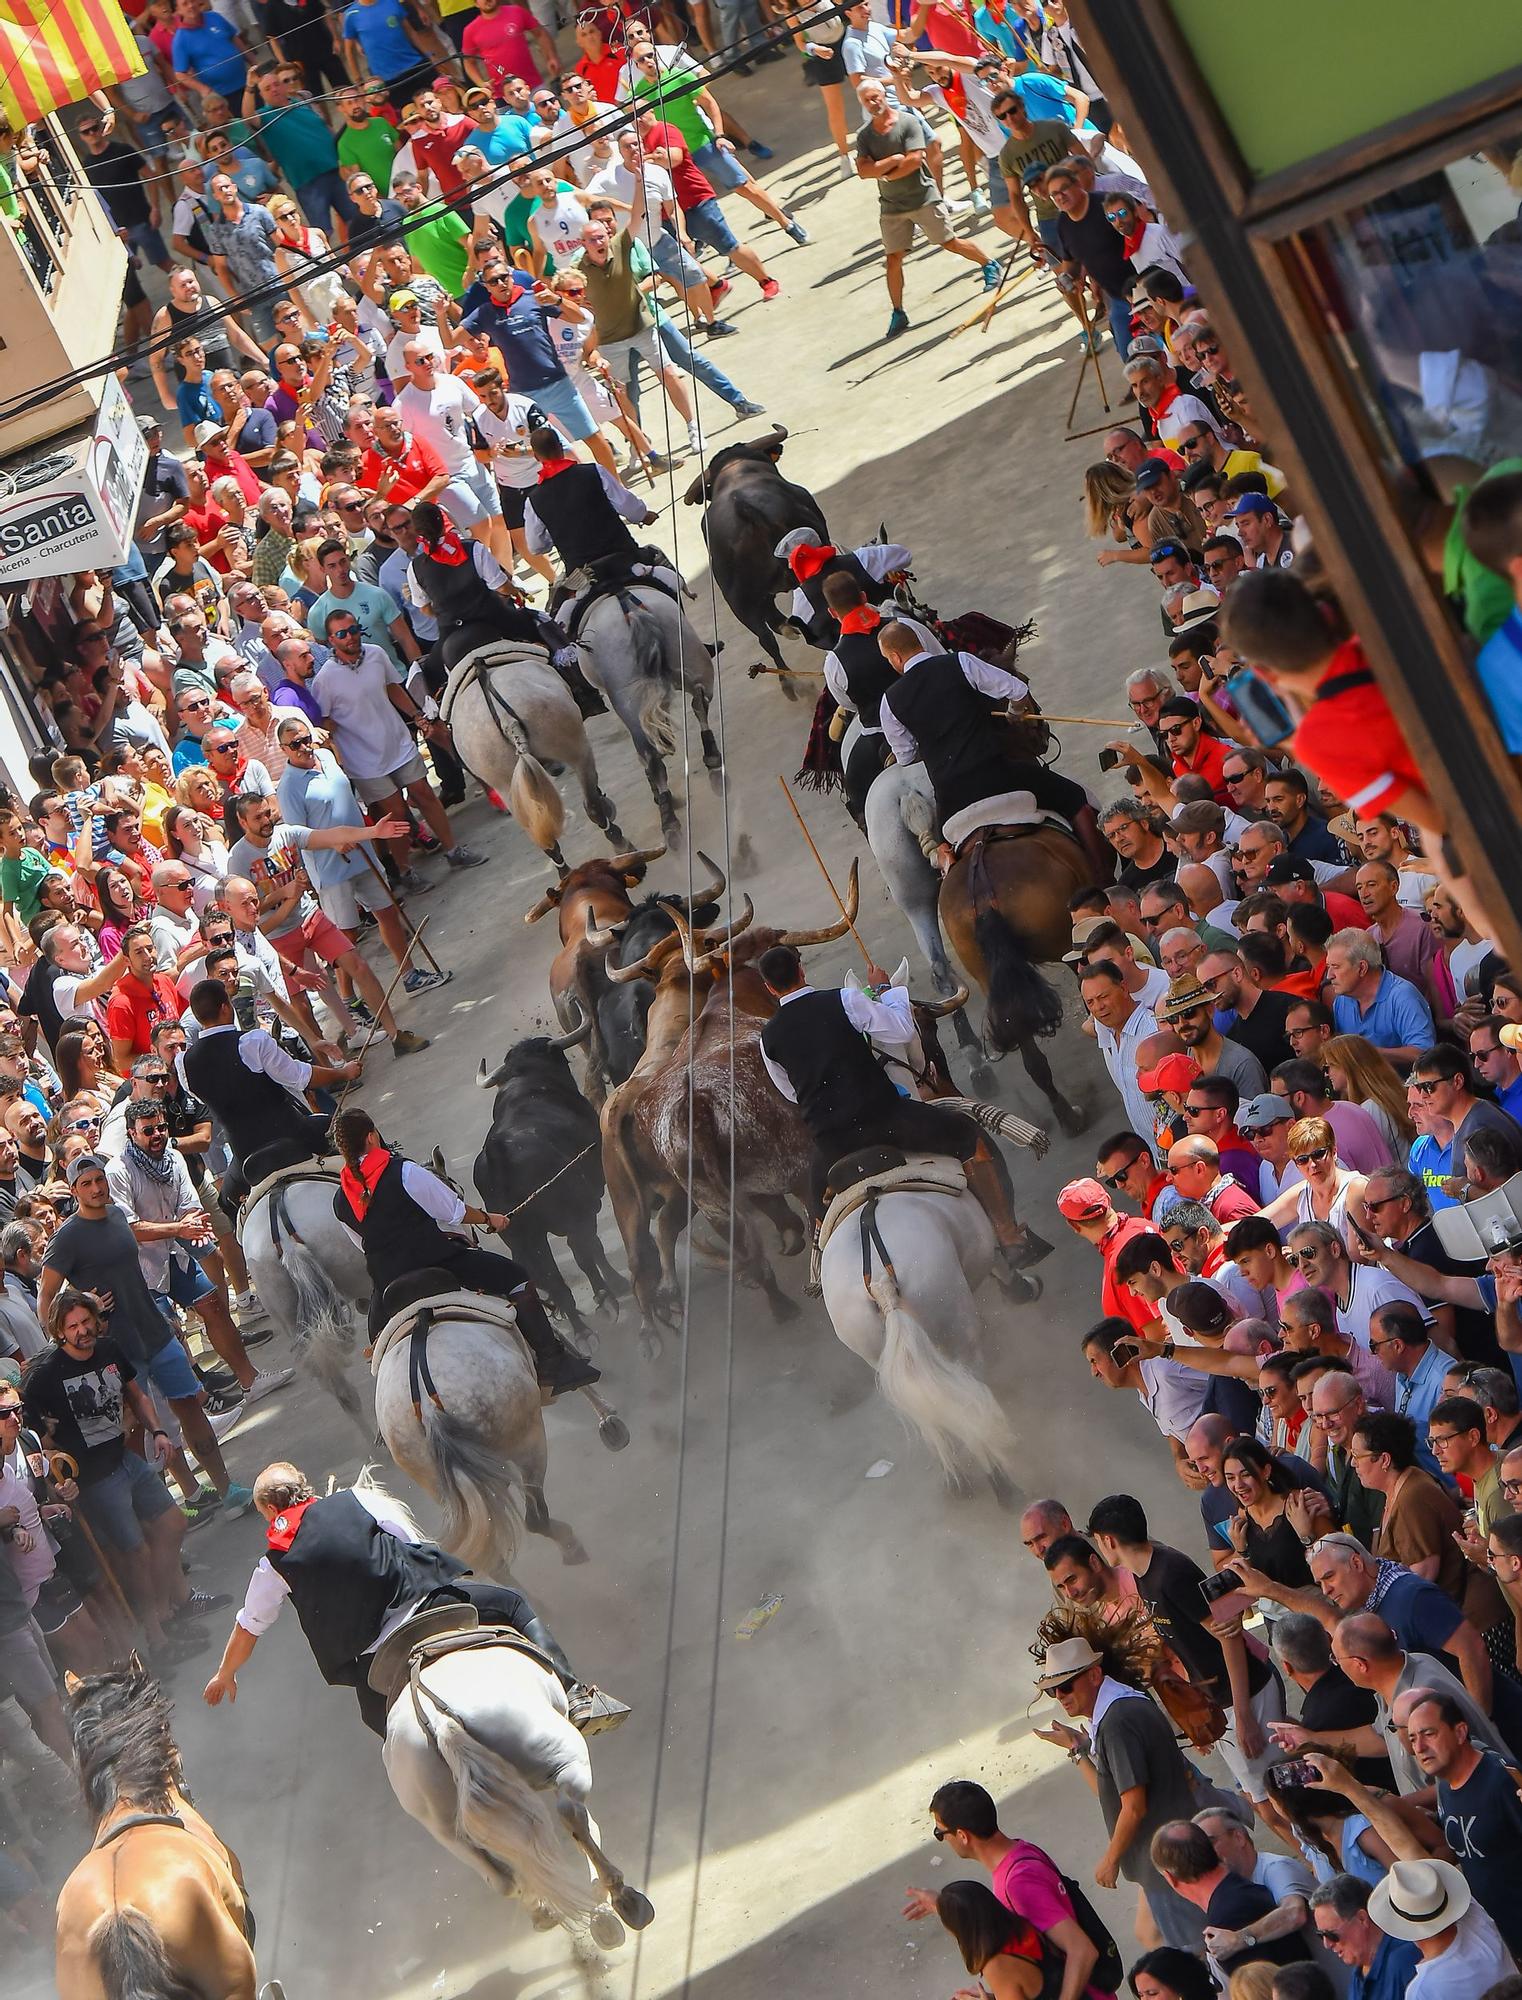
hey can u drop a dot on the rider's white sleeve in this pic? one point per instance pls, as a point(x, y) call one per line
point(991, 680)
point(889, 1019)
point(881, 559)
point(262, 1602)
point(433, 1196)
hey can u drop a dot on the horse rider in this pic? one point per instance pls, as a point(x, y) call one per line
point(858, 677)
point(580, 512)
point(408, 1220)
point(939, 712)
point(252, 1086)
point(355, 1567)
point(818, 1051)
point(461, 582)
point(812, 560)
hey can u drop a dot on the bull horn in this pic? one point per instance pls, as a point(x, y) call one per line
point(637, 857)
point(648, 967)
point(598, 938)
point(576, 1035)
point(720, 934)
point(827, 932)
point(718, 886)
point(684, 932)
point(485, 1082)
point(937, 1009)
point(547, 902)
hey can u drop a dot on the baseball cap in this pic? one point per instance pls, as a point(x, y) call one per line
point(204, 433)
point(1252, 503)
point(146, 424)
point(1175, 1073)
point(1083, 930)
point(1199, 816)
point(1266, 1109)
point(1150, 473)
point(1036, 171)
point(1161, 550)
point(1198, 608)
point(399, 299)
point(83, 1164)
point(1289, 868)
point(1082, 1201)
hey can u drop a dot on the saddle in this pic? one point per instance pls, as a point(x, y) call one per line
point(429, 1634)
point(284, 1162)
point(439, 1299)
point(476, 663)
point(605, 578)
point(1004, 816)
point(918, 1173)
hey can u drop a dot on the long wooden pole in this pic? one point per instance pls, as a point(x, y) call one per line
point(1093, 721)
point(414, 933)
point(787, 793)
point(375, 1025)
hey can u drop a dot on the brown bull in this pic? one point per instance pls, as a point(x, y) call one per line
point(700, 1125)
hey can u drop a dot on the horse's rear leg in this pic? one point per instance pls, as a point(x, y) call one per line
point(540, 1521)
point(702, 701)
point(1039, 1070)
point(636, 1909)
point(600, 808)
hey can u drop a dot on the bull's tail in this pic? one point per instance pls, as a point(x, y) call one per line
point(955, 1413)
point(132, 1962)
point(1021, 1000)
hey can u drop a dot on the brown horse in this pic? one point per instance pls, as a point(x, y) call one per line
point(1004, 908)
point(157, 1906)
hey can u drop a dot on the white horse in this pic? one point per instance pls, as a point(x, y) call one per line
point(310, 1272)
point(639, 648)
point(512, 714)
point(459, 1406)
point(914, 1318)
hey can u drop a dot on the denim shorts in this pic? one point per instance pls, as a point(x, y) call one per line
point(188, 1284)
point(119, 1504)
point(563, 401)
point(722, 168)
point(145, 237)
point(672, 261)
point(1051, 235)
point(706, 224)
point(470, 497)
point(171, 1374)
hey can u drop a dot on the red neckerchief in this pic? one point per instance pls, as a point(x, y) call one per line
point(1133, 241)
point(358, 1187)
point(550, 466)
point(810, 559)
point(447, 549)
point(863, 619)
point(955, 93)
point(282, 1530)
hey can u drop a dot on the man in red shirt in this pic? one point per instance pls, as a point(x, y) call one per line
point(698, 200)
point(1191, 751)
point(599, 64)
point(206, 517)
point(399, 467)
point(140, 999)
point(436, 138)
point(496, 44)
point(1088, 1212)
point(222, 462)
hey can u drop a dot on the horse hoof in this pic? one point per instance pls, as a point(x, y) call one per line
point(636, 1910)
point(1072, 1118)
point(651, 1346)
point(984, 1082)
point(783, 1308)
point(542, 1917)
point(616, 838)
point(713, 760)
point(790, 1246)
point(607, 1931)
point(573, 1554)
point(614, 1433)
point(1022, 1288)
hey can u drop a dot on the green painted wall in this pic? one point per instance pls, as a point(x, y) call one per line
point(1296, 77)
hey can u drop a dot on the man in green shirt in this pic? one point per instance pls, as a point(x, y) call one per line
point(679, 93)
point(301, 146)
point(23, 870)
point(370, 144)
point(442, 244)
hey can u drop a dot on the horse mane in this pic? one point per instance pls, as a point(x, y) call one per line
point(122, 1739)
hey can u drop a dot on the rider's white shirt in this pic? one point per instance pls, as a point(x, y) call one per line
point(890, 1019)
point(986, 678)
point(434, 1197)
point(268, 1589)
point(878, 559)
point(625, 504)
point(835, 673)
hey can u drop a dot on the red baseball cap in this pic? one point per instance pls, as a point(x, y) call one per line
point(1082, 1201)
point(1175, 1072)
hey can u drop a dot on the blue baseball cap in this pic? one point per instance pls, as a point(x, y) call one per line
point(1252, 503)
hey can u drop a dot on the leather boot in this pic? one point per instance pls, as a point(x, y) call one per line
point(1020, 1244)
point(558, 1368)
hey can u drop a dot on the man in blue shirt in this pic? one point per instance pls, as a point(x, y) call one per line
point(394, 50)
point(207, 52)
point(1381, 1966)
point(500, 135)
point(516, 321)
point(1379, 1005)
point(1496, 1064)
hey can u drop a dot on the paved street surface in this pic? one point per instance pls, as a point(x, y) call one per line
point(768, 1792)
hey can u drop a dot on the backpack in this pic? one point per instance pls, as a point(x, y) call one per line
point(1109, 1967)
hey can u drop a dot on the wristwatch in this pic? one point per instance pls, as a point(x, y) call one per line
point(1249, 1942)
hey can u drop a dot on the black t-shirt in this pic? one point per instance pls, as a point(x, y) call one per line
point(1097, 245)
point(114, 176)
point(1262, 1031)
point(82, 1401)
point(1134, 875)
point(102, 1257)
point(1170, 1588)
point(1237, 1905)
point(1482, 1823)
point(1333, 1706)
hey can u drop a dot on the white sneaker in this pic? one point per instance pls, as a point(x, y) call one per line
point(221, 1425)
point(695, 439)
point(265, 1383)
point(249, 1305)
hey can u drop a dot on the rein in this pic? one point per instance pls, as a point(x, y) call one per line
point(134, 1820)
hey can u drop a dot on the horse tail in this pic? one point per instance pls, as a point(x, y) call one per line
point(918, 815)
point(955, 1413)
point(478, 1491)
point(132, 1962)
point(655, 674)
point(1022, 1001)
point(491, 1795)
point(531, 794)
point(324, 1328)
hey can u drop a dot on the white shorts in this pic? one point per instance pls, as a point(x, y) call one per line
point(471, 498)
point(1268, 1706)
point(341, 902)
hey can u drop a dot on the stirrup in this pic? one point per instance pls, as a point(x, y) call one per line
point(591, 1711)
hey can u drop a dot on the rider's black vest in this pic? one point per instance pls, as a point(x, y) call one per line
point(345, 1574)
point(455, 592)
point(254, 1110)
point(835, 1076)
point(842, 563)
point(398, 1237)
point(949, 721)
point(580, 519)
point(868, 675)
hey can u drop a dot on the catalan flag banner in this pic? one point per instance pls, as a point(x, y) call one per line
point(54, 52)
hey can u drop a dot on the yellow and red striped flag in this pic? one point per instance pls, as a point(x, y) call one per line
point(54, 52)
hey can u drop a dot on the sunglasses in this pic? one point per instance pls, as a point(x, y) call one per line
point(1116, 1180)
point(8, 1411)
point(1207, 351)
point(342, 631)
point(1426, 1085)
point(1313, 1157)
point(298, 743)
point(1065, 1687)
point(200, 701)
point(1187, 445)
point(1175, 729)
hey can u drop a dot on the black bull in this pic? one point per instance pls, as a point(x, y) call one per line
point(543, 1158)
point(750, 508)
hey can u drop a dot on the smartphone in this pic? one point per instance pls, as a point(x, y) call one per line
point(1298, 1771)
point(1260, 708)
point(1369, 1242)
point(1110, 758)
point(1222, 1584)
